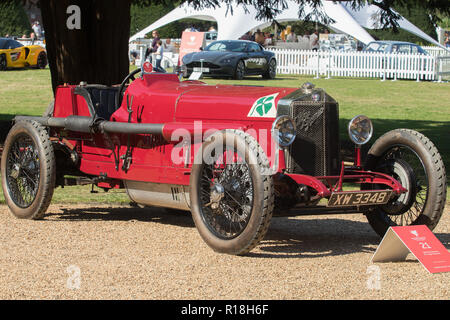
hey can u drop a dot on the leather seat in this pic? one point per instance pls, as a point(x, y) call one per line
point(104, 99)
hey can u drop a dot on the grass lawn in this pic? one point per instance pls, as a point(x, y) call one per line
point(423, 106)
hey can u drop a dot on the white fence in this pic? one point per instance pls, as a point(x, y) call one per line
point(443, 67)
point(436, 51)
point(361, 64)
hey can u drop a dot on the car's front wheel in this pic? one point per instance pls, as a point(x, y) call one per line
point(413, 160)
point(232, 193)
point(239, 72)
point(3, 63)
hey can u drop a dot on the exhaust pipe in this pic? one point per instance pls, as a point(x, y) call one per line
point(88, 125)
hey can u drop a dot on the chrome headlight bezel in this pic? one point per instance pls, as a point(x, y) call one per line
point(360, 129)
point(286, 136)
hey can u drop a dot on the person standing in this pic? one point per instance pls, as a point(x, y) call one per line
point(259, 37)
point(447, 40)
point(158, 57)
point(291, 37)
point(267, 39)
point(37, 29)
point(306, 36)
point(33, 38)
point(153, 48)
point(314, 40)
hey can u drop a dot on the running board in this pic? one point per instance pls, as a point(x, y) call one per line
point(317, 210)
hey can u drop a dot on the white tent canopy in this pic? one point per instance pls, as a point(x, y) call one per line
point(368, 17)
point(232, 26)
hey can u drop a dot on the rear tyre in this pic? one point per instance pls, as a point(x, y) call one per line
point(412, 159)
point(41, 60)
point(28, 170)
point(232, 193)
point(271, 72)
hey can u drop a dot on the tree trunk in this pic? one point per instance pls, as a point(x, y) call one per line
point(97, 52)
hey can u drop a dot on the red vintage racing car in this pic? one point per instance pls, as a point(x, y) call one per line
point(232, 155)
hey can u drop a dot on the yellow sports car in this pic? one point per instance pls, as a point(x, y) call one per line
point(13, 54)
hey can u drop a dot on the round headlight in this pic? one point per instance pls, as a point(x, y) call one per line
point(360, 129)
point(283, 131)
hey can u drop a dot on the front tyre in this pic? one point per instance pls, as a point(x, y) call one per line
point(3, 62)
point(239, 72)
point(232, 193)
point(28, 170)
point(412, 159)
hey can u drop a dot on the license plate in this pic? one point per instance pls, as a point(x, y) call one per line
point(196, 69)
point(359, 198)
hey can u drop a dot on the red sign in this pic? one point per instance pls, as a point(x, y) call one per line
point(191, 42)
point(418, 240)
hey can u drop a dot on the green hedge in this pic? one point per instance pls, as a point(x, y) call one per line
point(13, 19)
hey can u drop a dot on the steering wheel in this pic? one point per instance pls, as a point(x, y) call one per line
point(119, 96)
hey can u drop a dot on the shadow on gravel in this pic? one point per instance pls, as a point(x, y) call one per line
point(315, 238)
point(286, 238)
point(147, 214)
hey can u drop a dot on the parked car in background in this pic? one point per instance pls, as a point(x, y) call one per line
point(232, 58)
point(394, 47)
point(13, 54)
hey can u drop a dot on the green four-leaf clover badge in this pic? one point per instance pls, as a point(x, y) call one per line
point(264, 107)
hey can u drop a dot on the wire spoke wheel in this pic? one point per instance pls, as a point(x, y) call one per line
point(226, 195)
point(413, 160)
point(22, 171)
point(231, 193)
point(404, 164)
point(28, 170)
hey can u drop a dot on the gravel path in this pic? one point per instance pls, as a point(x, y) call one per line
point(109, 252)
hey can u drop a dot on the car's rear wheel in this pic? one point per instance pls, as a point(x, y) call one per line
point(232, 194)
point(239, 72)
point(412, 159)
point(271, 72)
point(41, 60)
point(28, 170)
point(3, 63)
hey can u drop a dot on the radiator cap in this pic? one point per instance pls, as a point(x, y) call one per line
point(308, 86)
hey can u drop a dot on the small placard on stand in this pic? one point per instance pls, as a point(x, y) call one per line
point(420, 241)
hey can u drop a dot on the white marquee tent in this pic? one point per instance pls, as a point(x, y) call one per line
point(232, 26)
